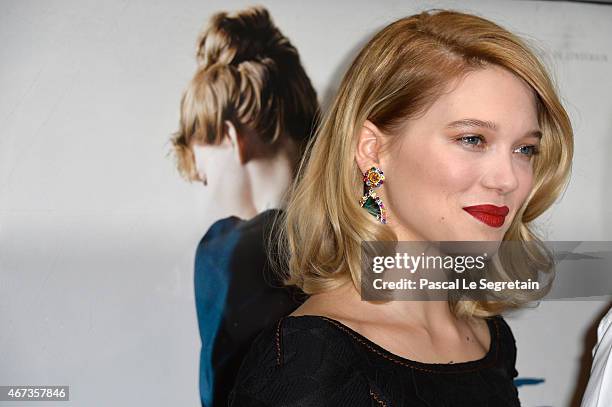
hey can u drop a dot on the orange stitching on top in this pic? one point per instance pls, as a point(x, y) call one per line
point(382, 403)
point(278, 344)
point(342, 327)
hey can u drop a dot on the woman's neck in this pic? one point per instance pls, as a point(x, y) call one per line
point(270, 179)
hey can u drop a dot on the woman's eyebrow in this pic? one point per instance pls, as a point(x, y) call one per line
point(486, 124)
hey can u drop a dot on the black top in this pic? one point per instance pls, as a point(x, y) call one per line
point(314, 360)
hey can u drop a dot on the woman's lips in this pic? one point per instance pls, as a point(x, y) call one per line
point(492, 215)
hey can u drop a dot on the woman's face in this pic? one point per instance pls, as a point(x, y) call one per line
point(448, 161)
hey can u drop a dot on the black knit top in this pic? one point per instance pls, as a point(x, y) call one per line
point(317, 361)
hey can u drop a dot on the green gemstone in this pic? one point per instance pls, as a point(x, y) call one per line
point(372, 206)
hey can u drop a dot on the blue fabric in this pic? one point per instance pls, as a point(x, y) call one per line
point(211, 283)
point(236, 297)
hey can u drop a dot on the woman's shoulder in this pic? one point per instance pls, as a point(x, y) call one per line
point(223, 228)
point(296, 342)
point(508, 344)
point(504, 330)
point(230, 234)
point(301, 360)
point(217, 234)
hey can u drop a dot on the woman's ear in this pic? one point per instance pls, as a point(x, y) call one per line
point(369, 142)
point(237, 142)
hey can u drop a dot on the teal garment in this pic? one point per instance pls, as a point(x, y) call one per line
point(237, 296)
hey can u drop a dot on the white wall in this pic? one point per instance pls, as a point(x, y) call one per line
point(97, 231)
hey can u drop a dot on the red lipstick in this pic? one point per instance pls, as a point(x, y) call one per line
point(492, 215)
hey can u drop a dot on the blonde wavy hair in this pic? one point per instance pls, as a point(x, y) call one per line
point(398, 75)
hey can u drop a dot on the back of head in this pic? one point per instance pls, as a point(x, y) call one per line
point(231, 38)
point(250, 74)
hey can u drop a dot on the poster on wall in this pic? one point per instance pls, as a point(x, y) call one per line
point(306, 204)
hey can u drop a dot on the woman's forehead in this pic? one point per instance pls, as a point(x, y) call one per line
point(492, 97)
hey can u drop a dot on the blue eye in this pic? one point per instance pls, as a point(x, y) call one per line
point(472, 140)
point(478, 142)
point(529, 150)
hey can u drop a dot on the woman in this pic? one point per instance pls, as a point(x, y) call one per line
point(455, 124)
point(245, 120)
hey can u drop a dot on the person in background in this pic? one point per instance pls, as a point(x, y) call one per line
point(599, 389)
point(246, 118)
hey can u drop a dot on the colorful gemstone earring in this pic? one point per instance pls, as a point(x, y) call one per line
point(373, 178)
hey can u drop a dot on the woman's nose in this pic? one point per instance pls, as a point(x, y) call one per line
point(501, 173)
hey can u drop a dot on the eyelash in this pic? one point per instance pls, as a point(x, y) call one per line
point(534, 149)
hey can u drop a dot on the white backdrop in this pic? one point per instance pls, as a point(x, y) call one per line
point(98, 232)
